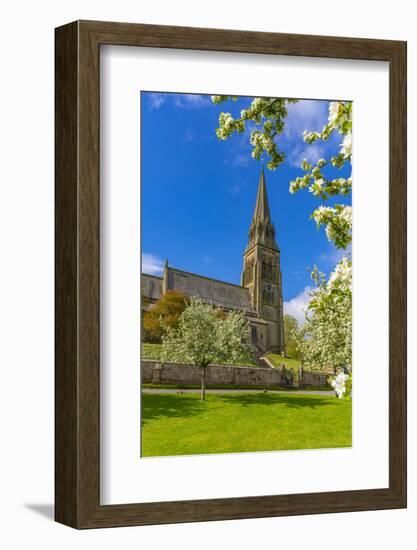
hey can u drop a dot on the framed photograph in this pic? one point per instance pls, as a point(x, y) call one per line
point(230, 274)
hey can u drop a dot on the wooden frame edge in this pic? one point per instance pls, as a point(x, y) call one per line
point(66, 275)
point(77, 274)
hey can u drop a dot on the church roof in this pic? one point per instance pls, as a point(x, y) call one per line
point(219, 293)
point(262, 212)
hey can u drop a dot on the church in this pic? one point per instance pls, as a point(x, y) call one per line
point(259, 295)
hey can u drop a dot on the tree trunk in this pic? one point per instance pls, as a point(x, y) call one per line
point(203, 383)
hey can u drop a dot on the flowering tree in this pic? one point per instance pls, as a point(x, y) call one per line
point(337, 219)
point(205, 336)
point(268, 114)
point(325, 339)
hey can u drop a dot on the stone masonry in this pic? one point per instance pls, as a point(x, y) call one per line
point(152, 372)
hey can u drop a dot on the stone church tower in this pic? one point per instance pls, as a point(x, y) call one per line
point(262, 277)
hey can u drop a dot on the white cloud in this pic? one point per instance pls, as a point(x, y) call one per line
point(188, 136)
point(307, 114)
point(156, 100)
point(182, 101)
point(191, 101)
point(297, 306)
point(238, 160)
point(236, 188)
point(311, 115)
point(334, 255)
point(239, 149)
point(312, 153)
point(151, 264)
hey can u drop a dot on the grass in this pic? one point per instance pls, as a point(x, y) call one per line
point(278, 360)
point(181, 424)
point(153, 351)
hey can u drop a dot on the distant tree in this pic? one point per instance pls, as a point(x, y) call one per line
point(166, 313)
point(205, 336)
point(290, 330)
point(145, 301)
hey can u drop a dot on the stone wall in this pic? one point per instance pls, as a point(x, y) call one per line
point(300, 379)
point(310, 378)
point(176, 373)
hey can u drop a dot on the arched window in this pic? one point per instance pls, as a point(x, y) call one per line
point(267, 294)
point(263, 269)
point(248, 276)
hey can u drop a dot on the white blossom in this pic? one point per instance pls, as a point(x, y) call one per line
point(341, 276)
point(325, 339)
point(333, 111)
point(346, 147)
point(321, 212)
point(339, 384)
point(331, 232)
point(346, 214)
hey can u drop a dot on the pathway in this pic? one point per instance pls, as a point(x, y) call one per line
point(293, 392)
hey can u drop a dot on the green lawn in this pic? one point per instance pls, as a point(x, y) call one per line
point(289, 363)
point(153, 351)
point(181, 424)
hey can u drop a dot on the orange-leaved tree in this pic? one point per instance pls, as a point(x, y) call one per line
point(165, 313)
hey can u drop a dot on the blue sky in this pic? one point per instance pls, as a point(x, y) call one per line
point(198, 193)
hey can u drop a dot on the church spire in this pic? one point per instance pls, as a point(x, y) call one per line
point(262, 229)
point(262, 212)
point(261, 275)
